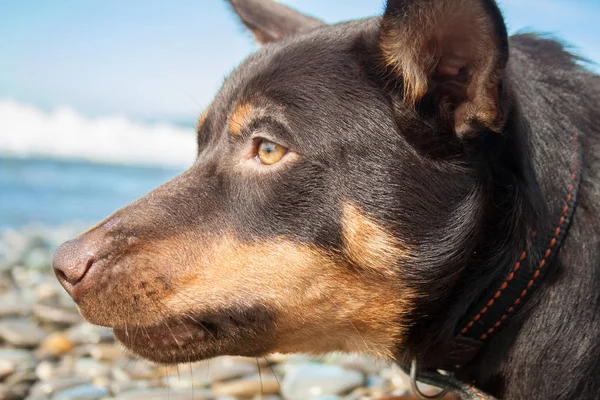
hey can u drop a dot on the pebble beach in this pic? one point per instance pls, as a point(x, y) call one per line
point(48, 352)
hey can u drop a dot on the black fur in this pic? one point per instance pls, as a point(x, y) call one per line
point(464, 205)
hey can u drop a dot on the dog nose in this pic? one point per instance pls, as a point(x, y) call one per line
point(72, 261)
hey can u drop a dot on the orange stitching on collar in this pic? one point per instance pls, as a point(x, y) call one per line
point(546, 255)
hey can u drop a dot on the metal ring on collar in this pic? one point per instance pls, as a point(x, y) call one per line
point(415, 388)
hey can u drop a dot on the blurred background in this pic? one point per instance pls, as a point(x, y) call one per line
point(98, 102)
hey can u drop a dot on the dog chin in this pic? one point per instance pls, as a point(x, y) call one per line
point(183, 341)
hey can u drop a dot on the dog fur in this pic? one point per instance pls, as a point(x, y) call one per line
point(423, 146)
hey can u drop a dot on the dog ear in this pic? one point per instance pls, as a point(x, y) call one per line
point(454, 50)
point(270, 21)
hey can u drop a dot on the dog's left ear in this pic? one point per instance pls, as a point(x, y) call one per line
point(454, 50)
point(270, 21)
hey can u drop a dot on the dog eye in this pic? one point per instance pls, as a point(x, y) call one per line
point(268, 152)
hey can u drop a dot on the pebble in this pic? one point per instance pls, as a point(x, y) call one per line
point(6, 368)
point(106, 352)
point(366, 365)
point(26, 278)
point(15, 392)
point(247, 387)
point(85, 333)
point(85, 392)
point(90, 368)
point(57, 315)
point(163, 394)
point(21, 332)
point(139, 369)
point(56, 343)
point(204, 373)
point(14, 363)
point(124, 386)
point(47, 290)
point(311, 379)
point(51, 386)
point(14, 305)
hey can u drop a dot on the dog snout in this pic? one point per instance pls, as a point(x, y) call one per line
point(72, 261)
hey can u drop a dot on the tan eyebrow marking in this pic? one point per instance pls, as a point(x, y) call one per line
point(240, 118)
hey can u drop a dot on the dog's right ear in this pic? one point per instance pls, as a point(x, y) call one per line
point(270, 21)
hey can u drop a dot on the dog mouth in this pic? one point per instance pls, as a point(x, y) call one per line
point(190, 339)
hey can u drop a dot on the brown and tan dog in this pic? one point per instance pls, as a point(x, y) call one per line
point(359, 187)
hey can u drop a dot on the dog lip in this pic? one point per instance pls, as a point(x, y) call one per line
point(169, 336)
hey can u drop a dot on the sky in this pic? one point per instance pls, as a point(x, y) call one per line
point(165, 60)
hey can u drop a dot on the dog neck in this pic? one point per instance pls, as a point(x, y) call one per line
point(545, 152)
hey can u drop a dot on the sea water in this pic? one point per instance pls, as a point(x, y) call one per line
point(51, 192)
point(59, 167)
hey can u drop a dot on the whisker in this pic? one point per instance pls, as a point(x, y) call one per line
point(173, 336)
point(168, 382)
point(191, 376)
point(351, 323)
point(262, 390)
point(273, 372)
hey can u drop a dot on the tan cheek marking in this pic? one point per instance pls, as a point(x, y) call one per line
point(241, 117)
point(369, 245)
point(320, 305)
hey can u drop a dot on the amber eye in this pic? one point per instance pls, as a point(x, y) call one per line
point(268, 152)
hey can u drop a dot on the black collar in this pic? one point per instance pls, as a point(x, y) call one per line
point(495, 311)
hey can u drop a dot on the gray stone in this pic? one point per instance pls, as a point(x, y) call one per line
point(23, 374)
point(57, 315)
point(376, 382)
point(397, 378)
point(138, 370)
point(85, 392)
point(326, 397)
point(247, 387)
point(312, 379)
point(90, 368)
point(6, 368)
point(21, 332)
point(13, 360)
point(37, 258)
point(124, 386)
point(85, 333)
point(47, 290)
point(54, 385)
point(106, 351)
point(218, 369)
point(365, 364)
point(27, 278)
point(15, 305)
point(119, 375)
point(6, 284)
point(163, 394)
point(290, 362)
point(16, 392)
point(16, 356)
point(46, 370)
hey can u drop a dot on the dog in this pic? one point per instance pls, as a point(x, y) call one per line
point(418, 186)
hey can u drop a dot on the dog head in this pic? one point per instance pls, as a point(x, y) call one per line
point(337, 196)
